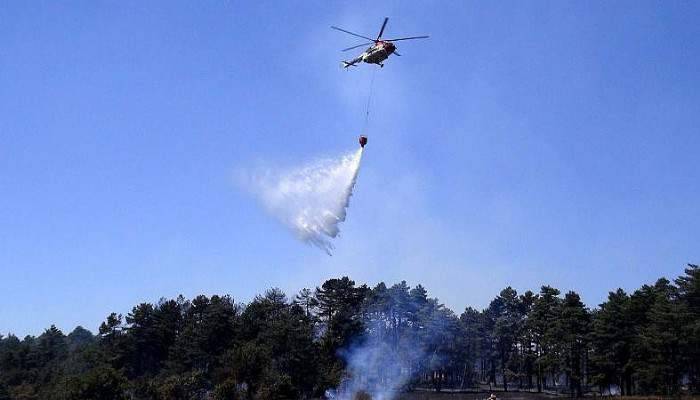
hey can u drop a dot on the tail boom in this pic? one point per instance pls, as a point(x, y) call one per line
point(352, 63)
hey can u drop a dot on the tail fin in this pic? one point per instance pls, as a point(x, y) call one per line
point(353, 62)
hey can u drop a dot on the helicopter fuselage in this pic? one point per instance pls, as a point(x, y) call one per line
point(378, 53)
point(380, 50)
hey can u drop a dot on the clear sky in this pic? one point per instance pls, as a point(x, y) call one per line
point(524, 143)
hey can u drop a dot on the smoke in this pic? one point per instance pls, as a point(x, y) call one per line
point(376, 370)
point(404, 332)
point(311, 200)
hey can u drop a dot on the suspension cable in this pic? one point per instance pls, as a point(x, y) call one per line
point(369, 102)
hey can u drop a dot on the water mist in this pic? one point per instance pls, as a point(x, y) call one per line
point(311, 200)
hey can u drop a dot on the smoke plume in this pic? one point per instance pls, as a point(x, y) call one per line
point(404, 335)
point(375, 370)
point(311, 200)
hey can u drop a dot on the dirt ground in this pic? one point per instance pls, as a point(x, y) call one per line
point(473, 396)
point(517, 396)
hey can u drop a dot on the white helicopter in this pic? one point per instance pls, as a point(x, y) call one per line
point(380, 50)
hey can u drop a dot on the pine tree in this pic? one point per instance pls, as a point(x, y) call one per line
point(689, 298)
point(541, 320)
point(612, 337)
point(505, 310)
point(662, 341)
point(571, 331)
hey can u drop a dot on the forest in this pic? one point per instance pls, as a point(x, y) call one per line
point(346, 337)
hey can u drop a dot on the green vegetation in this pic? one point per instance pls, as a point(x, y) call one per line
point(647, 342)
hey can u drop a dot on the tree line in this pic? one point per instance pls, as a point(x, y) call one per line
point(275, 347)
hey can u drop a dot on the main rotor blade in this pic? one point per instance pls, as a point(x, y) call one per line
point(407, 38)
point(381, 31)
point(359, 45)
point(351, 33)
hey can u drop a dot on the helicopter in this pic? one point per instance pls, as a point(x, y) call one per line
point(379, 50)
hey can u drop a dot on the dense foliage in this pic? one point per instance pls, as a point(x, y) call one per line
point(276, 348)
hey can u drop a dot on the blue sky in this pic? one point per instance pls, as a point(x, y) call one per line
point(524, 143)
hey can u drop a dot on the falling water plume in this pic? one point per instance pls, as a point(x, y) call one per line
point(311, 200)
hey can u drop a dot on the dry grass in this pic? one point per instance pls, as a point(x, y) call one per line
point(524, 396)
point(362, 395)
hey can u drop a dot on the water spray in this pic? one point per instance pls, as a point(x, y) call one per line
point(311, 200)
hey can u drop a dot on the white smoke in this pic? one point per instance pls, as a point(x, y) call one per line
point(376, 369)
point(311, 200)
